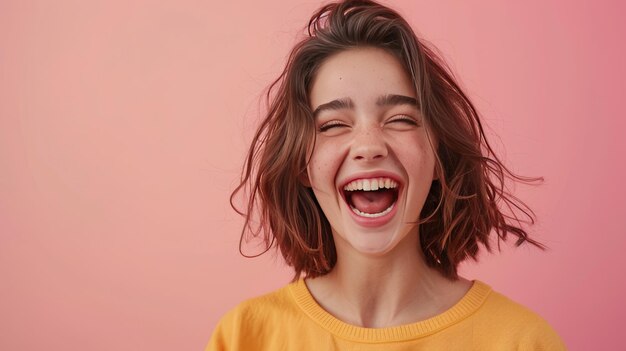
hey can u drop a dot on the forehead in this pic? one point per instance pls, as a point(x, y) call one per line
point(361, 74)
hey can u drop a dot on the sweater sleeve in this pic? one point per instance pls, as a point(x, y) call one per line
point(223, 338)
point(542, 337)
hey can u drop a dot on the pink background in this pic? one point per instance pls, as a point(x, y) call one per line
point(123, 126)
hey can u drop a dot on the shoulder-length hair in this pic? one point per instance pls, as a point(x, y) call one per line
point(462, 207)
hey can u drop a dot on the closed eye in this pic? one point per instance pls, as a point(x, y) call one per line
point(404, 119)
point(331, 124)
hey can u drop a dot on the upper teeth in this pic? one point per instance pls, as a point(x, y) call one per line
point(371, 184)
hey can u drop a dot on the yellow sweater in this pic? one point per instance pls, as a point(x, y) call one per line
point(290, 319)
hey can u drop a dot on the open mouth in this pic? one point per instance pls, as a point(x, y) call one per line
point(371, 198)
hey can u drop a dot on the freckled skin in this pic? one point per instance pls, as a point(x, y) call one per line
point(369, 137)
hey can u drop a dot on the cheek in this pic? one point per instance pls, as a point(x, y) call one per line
point(414, 152)
point(324, 163)
point(319, 172)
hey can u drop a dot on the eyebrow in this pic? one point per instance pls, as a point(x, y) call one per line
point(339, 104)
point(384, 100)
point(393, 99)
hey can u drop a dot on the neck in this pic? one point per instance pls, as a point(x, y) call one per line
point(393, 289)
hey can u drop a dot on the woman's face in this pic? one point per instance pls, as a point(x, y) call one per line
point(372, 164)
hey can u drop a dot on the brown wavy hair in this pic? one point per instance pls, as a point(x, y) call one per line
point(463, 205)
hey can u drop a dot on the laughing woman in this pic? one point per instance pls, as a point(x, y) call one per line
point(372, 176)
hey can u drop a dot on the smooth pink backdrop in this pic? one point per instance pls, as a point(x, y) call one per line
point(123, 126)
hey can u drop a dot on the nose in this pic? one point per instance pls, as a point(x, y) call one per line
point(368, 144)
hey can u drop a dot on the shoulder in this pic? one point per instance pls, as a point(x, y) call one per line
point(253, 317)
point(511, 322)
point(260, 308)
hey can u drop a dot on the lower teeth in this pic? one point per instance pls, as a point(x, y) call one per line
point(372, 215)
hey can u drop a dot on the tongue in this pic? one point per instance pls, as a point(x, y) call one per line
point(372, 201)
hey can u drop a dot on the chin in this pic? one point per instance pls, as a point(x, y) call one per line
point(374, 244)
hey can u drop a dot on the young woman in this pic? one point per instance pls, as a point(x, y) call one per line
point(372, 176)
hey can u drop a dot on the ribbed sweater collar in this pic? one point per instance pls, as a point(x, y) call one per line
point(472, 300)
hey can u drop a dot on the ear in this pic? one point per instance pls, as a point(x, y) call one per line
point(436, 171)
point(304, 179)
